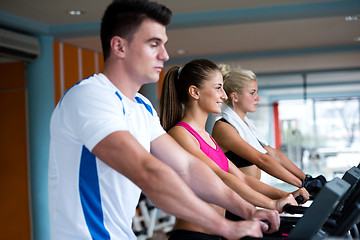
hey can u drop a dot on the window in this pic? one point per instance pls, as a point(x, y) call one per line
point(321, 136)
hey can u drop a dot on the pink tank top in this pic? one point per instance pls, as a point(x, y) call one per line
point(216, 155)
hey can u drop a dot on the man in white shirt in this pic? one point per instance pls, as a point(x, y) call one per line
point(107, 144)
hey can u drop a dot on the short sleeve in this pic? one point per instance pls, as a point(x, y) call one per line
point(156, 129)
point(93, 113)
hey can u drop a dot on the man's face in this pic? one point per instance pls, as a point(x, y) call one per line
point(146, 52)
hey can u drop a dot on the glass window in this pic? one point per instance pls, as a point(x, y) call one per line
point(321, 136)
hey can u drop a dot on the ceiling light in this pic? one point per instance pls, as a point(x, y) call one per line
point(181, 51)
point(75, 12)
point(352, 18)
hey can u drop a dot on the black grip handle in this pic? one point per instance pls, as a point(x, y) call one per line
point(292, 209)
point(267, 222)
point(299, 199)
point(289, 220)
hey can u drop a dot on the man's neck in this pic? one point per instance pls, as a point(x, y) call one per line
point(121, 81)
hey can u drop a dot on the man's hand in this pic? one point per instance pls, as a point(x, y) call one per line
point(240, 229)
point(269, 220)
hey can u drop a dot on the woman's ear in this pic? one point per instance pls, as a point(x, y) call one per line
point(118, 46)
point(194, 92)
point(233, 96)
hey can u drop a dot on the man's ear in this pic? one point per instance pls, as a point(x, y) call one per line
point(194, 92)
point(118, 46)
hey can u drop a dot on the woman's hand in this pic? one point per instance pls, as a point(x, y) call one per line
point(280, 203)
point(301, 192)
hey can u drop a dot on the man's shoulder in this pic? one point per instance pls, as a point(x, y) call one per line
point(94, 83)
point(142, 97)
point(88, 90)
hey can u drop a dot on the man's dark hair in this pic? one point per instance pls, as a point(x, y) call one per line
point(123, 17)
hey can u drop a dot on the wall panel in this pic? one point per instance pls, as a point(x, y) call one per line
point(88, 63)
point(14, 201)
point(72, 64)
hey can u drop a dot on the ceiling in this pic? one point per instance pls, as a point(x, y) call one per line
point(266, 36)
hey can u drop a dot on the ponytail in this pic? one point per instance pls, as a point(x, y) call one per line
point(171, 109)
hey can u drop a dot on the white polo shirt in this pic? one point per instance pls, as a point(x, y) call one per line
point(87, 198)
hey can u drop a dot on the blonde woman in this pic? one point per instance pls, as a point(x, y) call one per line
point(239, 139)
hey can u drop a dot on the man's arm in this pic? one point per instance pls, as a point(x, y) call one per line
point(121, 151)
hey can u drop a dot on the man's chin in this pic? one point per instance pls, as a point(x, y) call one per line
point(152, 80)
point(155, 79)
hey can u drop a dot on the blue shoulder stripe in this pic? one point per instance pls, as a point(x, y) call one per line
point(147, 106)
point(118, 94)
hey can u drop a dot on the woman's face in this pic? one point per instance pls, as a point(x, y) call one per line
point(212, 94)
point(248, 99)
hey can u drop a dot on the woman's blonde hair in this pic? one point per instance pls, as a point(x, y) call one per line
point(235, 80)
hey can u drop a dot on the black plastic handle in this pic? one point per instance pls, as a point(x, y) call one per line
point(299, 199)
point(267, 222)
point(292, 209)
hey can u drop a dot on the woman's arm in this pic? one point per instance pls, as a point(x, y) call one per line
point(285, 161)
point(267, 190)
point(199, 177)
point(228, 138)
point(208, 186)
point(237, 183)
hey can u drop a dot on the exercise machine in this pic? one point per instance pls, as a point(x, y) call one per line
point(309, 226)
